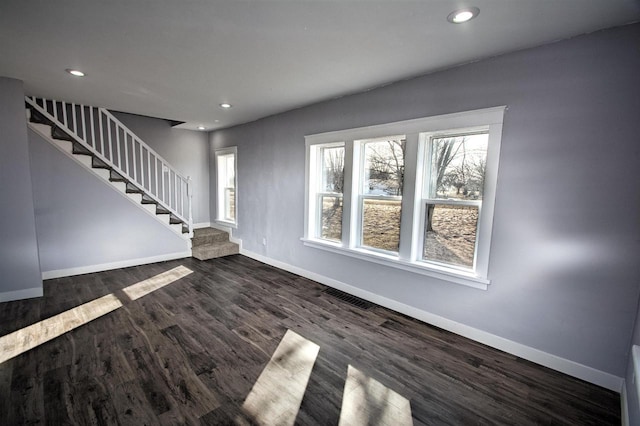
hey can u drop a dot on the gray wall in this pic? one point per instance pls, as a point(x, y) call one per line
point(81, 221)
point(564, 260)
point(19, 265)
point(186, 150)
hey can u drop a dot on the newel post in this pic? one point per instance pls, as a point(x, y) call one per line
point(190, 201)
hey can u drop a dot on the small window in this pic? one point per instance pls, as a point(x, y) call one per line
point(381, 187)
point(226, 185)
point(329, 160)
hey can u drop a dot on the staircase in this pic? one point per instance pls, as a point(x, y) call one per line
point(94, 138)
point(209, 243)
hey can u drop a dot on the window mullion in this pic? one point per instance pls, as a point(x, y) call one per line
point(347, 194)
point(408, 197)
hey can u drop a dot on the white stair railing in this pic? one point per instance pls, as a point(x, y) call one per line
point(97, 130)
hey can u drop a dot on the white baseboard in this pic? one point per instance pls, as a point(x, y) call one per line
point(624, 405)
point(59, 273)
point(572, 368)
point(26, 293)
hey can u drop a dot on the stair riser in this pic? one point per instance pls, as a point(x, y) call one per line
point(212, 252)
point(210, 239)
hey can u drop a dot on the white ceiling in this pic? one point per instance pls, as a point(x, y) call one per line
point(180, 59)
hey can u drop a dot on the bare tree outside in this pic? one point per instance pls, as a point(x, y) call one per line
point(383, 184)
point(332, 187)
point(458, 165)
point(333, 169)
point(384, 171)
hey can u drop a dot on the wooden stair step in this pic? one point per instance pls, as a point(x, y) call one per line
point(99, 164)
point(58, 133)
point(148, 200)
point(79, 149)
point(161, 210)
point(115, 177)
point(36, 117)
point(132, 189)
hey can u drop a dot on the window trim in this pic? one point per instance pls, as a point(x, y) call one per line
point(409, 257)
point(423, 198)
point(220, 209)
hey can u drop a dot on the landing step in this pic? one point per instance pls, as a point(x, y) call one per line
point(204, 236)
point(213, 251)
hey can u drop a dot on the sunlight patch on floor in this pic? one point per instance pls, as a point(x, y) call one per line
point(366, 402)
point(27, 338)
point(149, 285)
point(276, 396)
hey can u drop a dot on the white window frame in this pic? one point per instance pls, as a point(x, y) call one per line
point(417, 133)
point(315, 193)
point(220, 205)
point(360, 146)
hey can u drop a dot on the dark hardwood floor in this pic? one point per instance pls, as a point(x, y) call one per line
point(200, 350)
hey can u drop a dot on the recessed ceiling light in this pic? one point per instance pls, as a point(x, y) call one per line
point(76, 73)
point(225, 105)
point(201, 128)
point(463, 15)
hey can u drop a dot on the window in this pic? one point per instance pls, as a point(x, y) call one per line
point(380, 198)
point(327, 191)
point(416, 195)
point(454, 184)
point(225, 160)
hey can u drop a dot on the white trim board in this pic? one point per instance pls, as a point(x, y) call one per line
point(202, 225)
point(624, 405)
point(26, 293)
point(59, 273)
point(563, 365)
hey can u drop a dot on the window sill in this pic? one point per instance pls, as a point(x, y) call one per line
point(457, 277)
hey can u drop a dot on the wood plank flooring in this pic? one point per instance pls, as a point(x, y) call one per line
point(199, 350)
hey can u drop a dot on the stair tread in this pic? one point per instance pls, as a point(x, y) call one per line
point(116, 177)
point(99, 164)
point(217, 245)
point(174, 220)
point(148, 200)
point(58, 133)
point(201, 232)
